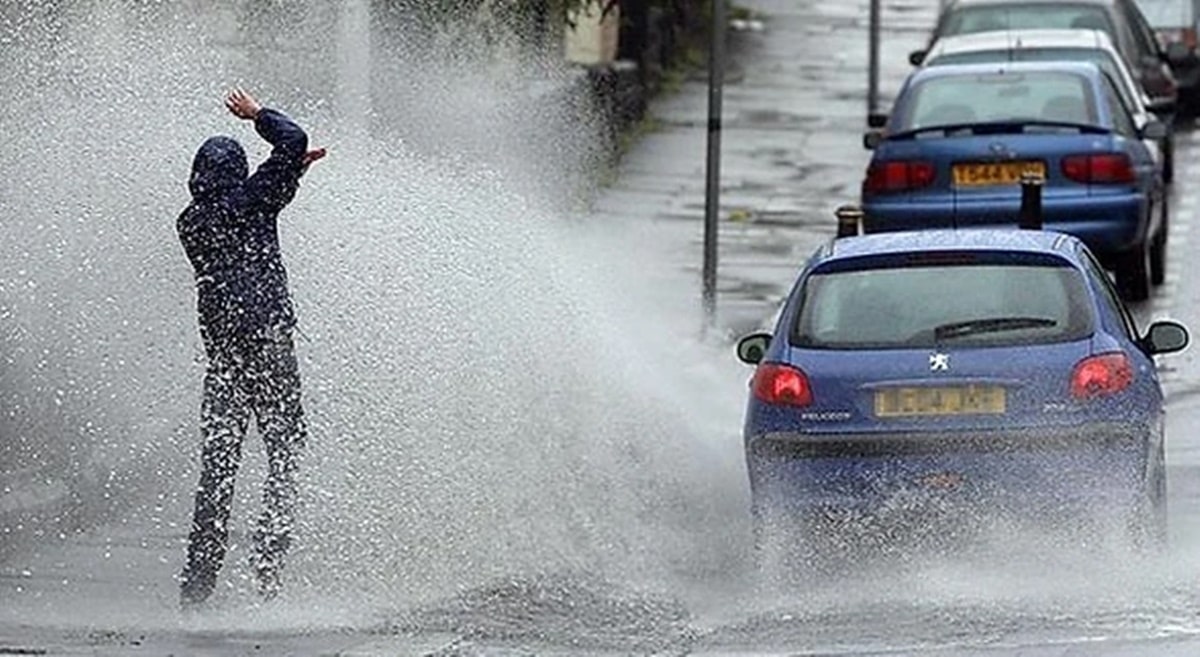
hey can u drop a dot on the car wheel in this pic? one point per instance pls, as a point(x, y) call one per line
point(1148, 523)
point(1168, 173)
point(1133, 273)
point(1158, 248)
point(785, 547)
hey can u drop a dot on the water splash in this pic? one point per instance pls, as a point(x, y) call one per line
point(493, 390)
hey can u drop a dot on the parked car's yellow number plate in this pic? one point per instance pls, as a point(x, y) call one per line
point(958, 400)
point(995, 173)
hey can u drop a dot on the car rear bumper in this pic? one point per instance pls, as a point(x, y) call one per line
point(1097, 463)
point(1108, 224)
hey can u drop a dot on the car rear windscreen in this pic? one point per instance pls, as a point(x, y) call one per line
point(1000, 96)
point(1101, 58)
point(942, 306)
point(1005, 16)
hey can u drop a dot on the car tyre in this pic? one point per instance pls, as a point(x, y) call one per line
point(1168, 171)
point(1133, 273)
point(1148, 524)
point(1158, 248)
point(784, 550)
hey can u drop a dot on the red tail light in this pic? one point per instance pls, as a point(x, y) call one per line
point(1189, 37)
point(899, 176)
point(781, 384)
point(1100, 376)
point(1101, 168)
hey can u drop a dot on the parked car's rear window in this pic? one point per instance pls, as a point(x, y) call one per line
point(903, 307)
point(1101, 58)
point(990, 18)
point(1000, 96)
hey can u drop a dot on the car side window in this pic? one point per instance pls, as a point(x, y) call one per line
point(1108, 294)
point(1122, 121)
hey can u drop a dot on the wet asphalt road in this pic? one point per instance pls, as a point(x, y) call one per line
point(794, 108)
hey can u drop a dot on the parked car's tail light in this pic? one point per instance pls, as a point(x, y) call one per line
point(1100, 376)
point(1099, 168)
point(899, 176)
point(775, 383)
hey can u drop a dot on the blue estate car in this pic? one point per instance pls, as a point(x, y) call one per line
point(961, 136)
point(998, 366)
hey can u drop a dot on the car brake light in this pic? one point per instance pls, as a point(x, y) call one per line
point(1100, 376)
point(1189, 37)
point(781, 384)
point(899, 176)
point(1101, 168)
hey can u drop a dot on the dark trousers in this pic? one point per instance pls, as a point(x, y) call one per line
point(246, 377)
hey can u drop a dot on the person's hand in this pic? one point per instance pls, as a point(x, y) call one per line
point(313, 156)
point(242, 105)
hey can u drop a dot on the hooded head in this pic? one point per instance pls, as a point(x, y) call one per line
point(220, 164)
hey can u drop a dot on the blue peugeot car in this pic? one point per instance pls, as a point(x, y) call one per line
point(997, 368)
point(960, 138)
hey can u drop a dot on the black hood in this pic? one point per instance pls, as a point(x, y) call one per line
point(220, 164)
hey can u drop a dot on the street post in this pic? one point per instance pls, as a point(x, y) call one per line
point(716, 78)
point(873, 60)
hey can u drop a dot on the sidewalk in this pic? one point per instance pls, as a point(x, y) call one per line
point(794, 106)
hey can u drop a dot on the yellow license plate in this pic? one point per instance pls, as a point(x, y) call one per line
point(959, 400)
point(995, 173)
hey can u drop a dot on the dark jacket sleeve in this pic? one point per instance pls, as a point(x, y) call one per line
point(274, 183)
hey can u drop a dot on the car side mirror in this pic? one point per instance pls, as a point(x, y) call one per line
point(1165, 338)
point(876, 120)
point(1154, 130)
point(753, 348)
point(872, 139)
point(917, 57)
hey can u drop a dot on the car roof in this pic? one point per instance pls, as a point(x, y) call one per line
point(1025, 38)
point(1013, 240)
point(1085, 69)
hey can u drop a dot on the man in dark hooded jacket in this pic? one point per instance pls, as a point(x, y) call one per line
point(230, 236)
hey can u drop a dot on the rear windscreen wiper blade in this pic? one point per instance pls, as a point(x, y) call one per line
point(990, 325)
point(1001, 127)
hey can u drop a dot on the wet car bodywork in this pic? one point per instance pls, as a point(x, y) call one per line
point(997, 366)
point(959, 136)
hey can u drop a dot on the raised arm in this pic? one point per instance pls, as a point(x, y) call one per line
point(274, 182)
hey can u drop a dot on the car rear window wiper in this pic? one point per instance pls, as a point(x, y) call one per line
point(1000, 127)
point(990, 325)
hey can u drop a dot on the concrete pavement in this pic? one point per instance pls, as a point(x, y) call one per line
point(794, 107)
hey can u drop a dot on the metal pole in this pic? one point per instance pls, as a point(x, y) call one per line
point(712, 199)
point(1029, 217)
point(873, 60)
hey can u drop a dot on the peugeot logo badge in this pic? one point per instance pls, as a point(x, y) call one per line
point(939, 362)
